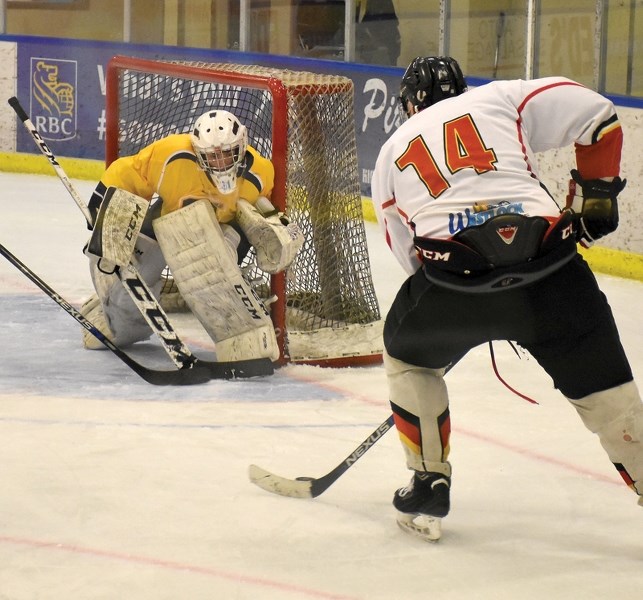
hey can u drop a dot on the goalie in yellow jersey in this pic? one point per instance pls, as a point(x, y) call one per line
point(205, 197)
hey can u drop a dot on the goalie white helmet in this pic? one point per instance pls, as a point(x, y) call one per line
point(219, 141)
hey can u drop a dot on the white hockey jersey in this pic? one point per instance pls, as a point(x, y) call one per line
point(466, 159)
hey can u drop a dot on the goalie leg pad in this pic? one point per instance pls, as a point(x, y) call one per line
point(92, 310)
point(275, 244)
point(204, 267)
point(117, 226)
point(616, 416)
point(259, 342)
point(123, 322)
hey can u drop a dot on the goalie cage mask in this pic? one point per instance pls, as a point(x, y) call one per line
point(220, 141)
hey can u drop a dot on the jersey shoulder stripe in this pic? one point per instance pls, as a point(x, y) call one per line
point(606, 127)
point(247, 173)
point(181, 154)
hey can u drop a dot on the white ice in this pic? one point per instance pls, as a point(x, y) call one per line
point(111, 488)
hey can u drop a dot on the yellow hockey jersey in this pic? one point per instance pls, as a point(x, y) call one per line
point(168, 168)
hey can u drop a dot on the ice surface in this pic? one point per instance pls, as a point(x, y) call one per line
point(113, 488)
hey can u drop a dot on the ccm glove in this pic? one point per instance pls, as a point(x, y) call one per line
point(276, 243)
point(595, 208)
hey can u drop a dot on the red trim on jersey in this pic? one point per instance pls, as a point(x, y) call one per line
point(388, 204)
point(522, 106)
point(602, 159)
point(544, 89)
point(405, 217)
point(387, 235)
point(522, 146)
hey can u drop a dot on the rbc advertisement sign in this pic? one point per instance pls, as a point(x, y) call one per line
point(52, 99)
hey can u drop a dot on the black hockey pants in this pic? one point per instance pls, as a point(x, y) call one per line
point(563, 320)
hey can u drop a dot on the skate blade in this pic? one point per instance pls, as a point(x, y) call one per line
point(423, 526)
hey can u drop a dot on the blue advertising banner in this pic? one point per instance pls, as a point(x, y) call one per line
point(61, 83)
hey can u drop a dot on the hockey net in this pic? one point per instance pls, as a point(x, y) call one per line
point(326, 310)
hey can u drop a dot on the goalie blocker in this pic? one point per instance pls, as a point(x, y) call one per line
point(205, 269)
point(117, 226)
point(115, 243)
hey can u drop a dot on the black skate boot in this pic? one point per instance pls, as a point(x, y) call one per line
point(422, 504)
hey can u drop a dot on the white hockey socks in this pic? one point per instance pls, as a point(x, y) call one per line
point(205, 270)
point(616, 416)
point(420, 405)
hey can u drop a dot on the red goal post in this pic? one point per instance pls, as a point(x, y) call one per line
point(326, 311)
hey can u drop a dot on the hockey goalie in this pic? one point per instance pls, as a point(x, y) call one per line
point(195, 202)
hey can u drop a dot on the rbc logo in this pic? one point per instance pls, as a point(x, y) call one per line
point(53, 98)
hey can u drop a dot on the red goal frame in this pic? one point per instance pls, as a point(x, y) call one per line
point(279, 94)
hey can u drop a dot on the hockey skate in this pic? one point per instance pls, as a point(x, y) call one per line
point(422, 504)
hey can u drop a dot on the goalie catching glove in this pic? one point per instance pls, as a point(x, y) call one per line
point(276, 241)
point(595, 208)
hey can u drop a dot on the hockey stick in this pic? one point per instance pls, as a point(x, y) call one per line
point(44, 148)
point(131, 280)
point(309, 487)
point(138, 290)
point(197, 374)
point(200, 372)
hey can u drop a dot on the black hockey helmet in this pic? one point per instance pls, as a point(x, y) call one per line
point(429, 79)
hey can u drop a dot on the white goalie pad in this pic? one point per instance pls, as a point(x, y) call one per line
point(124, 323)
point(205, 270)
point(117, 226)
point(275, 244)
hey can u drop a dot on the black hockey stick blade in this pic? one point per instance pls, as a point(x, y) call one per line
point(309, 487)
point(237, 369)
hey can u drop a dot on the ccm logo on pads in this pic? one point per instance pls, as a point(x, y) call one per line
point(434, 255)
point(247, 302)
point(508, 233)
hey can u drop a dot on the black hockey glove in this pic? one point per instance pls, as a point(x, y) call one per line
point(595, 208)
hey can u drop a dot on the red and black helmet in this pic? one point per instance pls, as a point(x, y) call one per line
point(429, 79)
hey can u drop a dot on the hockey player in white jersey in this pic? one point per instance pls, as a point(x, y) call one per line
point(491, 256)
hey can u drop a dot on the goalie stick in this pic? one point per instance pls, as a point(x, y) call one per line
point(138, 290)
point(131, 280)
point(44, 148)
point(200, 372)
